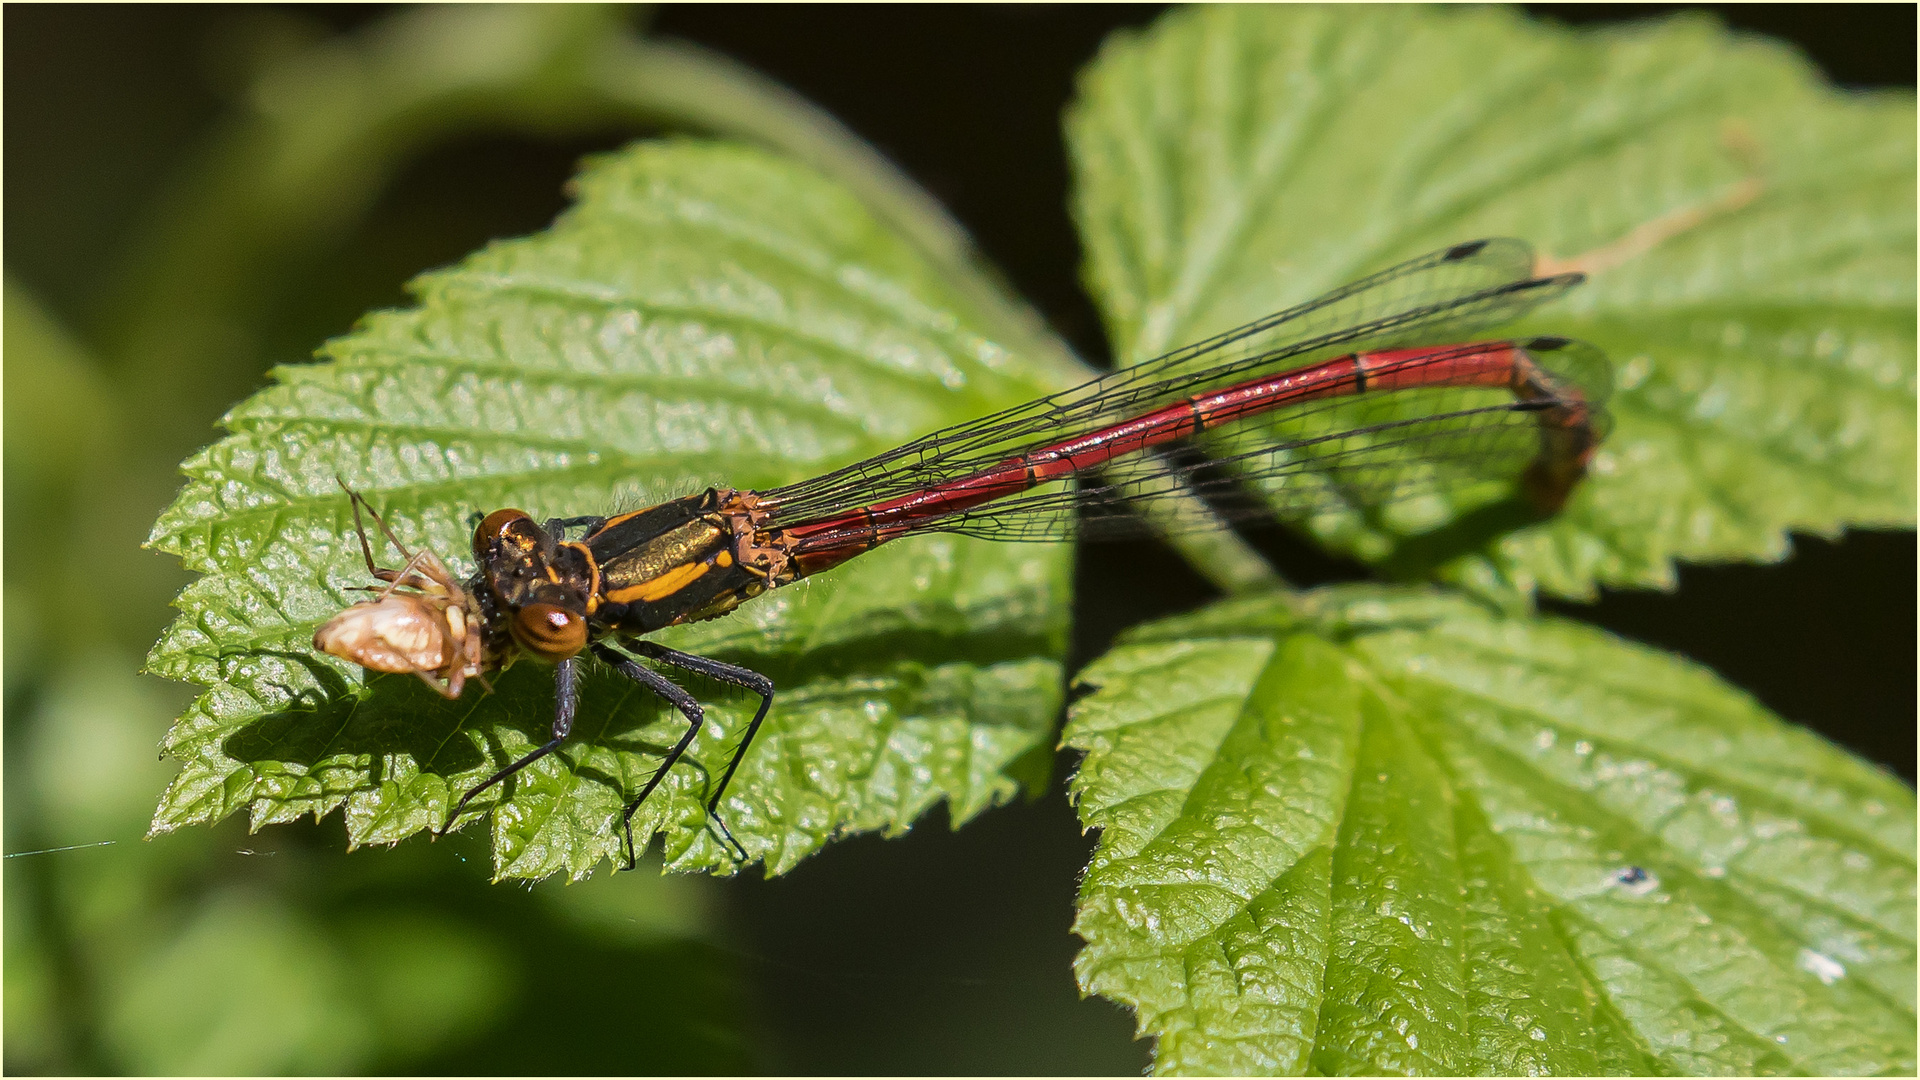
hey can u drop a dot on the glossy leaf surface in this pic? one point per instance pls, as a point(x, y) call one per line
point(1377, 831)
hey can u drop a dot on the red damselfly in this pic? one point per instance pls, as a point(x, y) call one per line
point(1278, 397)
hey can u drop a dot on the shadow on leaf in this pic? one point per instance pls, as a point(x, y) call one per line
point(371, 729)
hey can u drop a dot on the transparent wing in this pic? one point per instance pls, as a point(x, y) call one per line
point(1444, 296)
point(1319, 456)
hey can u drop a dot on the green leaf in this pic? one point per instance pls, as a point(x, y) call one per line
point(1234, 160)
point(1366, 830)
point(707, 315)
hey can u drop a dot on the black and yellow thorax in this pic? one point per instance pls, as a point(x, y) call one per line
point(682, 561)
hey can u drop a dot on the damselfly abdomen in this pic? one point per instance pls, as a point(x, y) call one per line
point(1277, 395)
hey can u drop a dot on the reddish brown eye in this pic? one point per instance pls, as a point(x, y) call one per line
point(490, 529)
point(550, 632)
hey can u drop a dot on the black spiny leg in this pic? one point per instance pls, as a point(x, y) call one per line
point(727, 673)
point(566, 699)
point(688, 707)
point(557, 527)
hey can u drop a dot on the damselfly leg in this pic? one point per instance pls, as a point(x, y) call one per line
point(566, 701)
point(566, 704)
point(746, 678)
point(406, 576)
point(695, 714)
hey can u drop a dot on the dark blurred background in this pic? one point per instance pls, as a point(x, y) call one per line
point(941, 952)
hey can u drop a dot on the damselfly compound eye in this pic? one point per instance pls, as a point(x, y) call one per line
point(491, 528)
point(550, 632)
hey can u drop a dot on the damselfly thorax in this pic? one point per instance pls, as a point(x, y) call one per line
point(1524, 412)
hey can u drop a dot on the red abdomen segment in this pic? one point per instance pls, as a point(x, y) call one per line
point(1568, 437)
